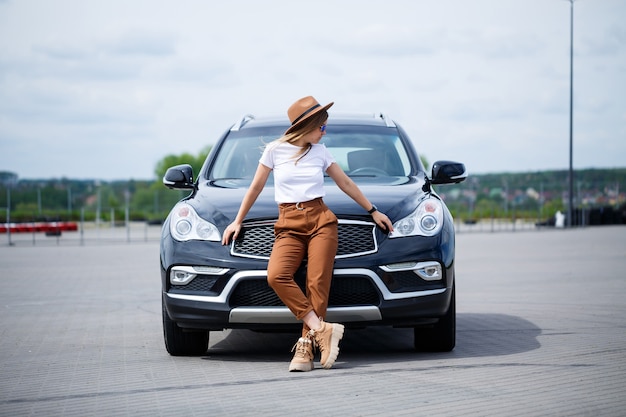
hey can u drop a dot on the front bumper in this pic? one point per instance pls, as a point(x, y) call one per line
point(380, 288)
point(359, 297)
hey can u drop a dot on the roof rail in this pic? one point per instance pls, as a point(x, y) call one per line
point(242, 121)
point(388, 121)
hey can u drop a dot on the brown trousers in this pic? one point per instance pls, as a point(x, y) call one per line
point(303, 229)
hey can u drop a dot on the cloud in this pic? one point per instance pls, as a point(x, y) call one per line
point(142, 44)
point(483, 82)
point(60, 52)
point(382, 40)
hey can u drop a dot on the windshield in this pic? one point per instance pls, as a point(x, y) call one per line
point(359, 151)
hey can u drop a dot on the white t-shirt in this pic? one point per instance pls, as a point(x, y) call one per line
point(297, 183)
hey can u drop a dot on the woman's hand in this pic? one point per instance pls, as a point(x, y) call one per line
point(382, 221)
point(233, 230)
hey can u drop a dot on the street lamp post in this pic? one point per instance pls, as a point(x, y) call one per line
point(570, 207)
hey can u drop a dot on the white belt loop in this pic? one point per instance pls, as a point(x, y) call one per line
point(298, 206)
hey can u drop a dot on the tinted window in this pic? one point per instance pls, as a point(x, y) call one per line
point(358, 150)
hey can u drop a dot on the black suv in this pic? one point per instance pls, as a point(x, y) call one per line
point(402, 279)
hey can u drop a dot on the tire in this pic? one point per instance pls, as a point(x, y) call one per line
point(183, 343)
point(441, 337)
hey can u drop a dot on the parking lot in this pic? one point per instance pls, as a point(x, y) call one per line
point(540, 331)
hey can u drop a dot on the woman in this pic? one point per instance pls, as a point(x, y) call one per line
point(305, 226)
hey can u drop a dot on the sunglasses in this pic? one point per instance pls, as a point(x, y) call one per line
point(323, 128)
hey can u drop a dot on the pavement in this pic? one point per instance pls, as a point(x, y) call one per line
point(540, 332)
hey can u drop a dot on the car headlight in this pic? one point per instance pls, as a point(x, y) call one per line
point(185, 224)
point(426, 220)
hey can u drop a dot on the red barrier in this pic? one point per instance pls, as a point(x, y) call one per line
point(34, 227)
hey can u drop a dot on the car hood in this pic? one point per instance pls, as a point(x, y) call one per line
point(219, 201)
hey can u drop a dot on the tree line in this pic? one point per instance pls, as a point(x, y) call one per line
point(531, 195)
point(68, 199)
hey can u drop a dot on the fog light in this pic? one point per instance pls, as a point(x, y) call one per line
point(183, 275)
point(430, 272)
point(179, 277)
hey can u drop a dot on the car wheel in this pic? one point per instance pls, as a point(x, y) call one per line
point(183, 343)
point(441, 337)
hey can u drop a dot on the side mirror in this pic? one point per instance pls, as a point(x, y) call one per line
point(448, 172)
point(179, 177)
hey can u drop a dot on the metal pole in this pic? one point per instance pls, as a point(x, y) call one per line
point(82, 226)
point(69, 202)
point(570, 208)
point(9, 215)
point(98, 208)
point(127, 214)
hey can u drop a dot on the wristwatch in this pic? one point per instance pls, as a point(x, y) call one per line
point(373, 209)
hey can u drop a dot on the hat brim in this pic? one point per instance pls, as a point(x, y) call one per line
point(300, 122)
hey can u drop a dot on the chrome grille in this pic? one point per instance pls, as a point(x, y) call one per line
point(356, 238)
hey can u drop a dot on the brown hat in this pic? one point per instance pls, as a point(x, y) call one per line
point(302, 110)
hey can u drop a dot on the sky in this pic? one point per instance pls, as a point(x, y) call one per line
point(106, 89)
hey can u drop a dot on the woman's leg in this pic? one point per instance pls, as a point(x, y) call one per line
point(322, 249)
point(286, 257)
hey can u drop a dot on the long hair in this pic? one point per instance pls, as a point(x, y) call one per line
point(308, 125)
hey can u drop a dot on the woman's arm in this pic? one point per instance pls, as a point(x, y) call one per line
point(348, 186)
point(257, 185)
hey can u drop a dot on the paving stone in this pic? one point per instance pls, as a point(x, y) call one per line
point(540, 331)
